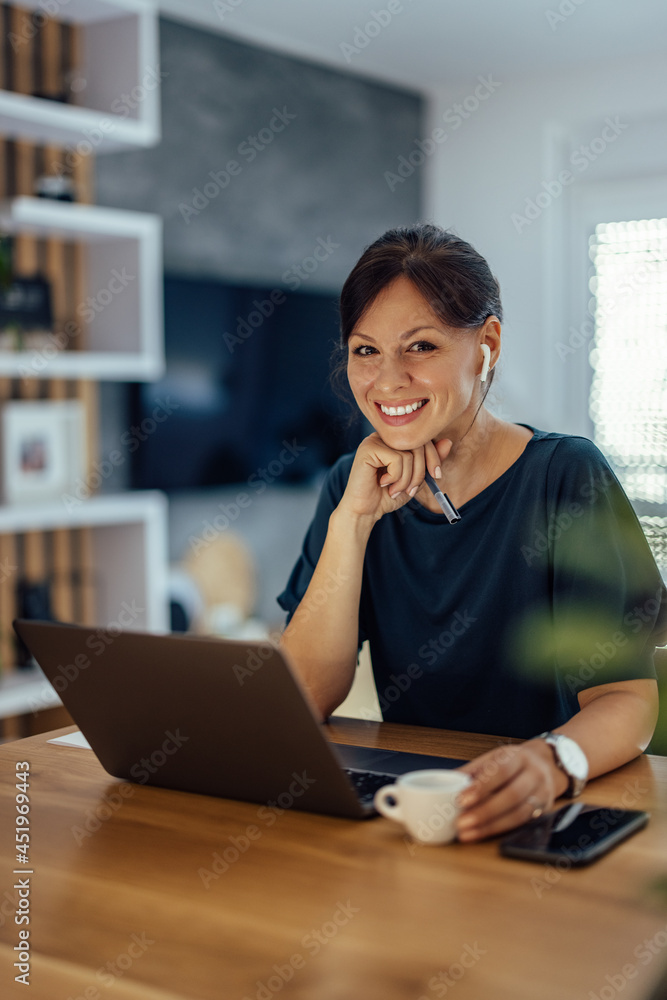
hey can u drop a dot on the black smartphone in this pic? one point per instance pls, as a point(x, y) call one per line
point(576, 833)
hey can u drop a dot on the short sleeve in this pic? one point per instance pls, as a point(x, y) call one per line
point(300, 577)
point(609, 602)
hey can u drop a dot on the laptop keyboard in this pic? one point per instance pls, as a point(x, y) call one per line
point(366, 783)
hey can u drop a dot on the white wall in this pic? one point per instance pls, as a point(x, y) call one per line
point(524, 133)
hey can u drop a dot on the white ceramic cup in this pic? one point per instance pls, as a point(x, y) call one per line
point(425, 803)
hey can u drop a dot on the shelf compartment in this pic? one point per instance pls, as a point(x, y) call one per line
point(121, 67)
point(129, 552)
point(121, 311)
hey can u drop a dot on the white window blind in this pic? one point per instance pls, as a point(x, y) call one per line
point(628, 400)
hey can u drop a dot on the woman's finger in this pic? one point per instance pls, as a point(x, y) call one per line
point(500, 810)
point(432, 459)
point(442, 449)
point(403, 466)
point(490, 771)
point(418, 470)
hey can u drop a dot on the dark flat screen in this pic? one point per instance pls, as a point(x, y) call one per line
point(247, 372)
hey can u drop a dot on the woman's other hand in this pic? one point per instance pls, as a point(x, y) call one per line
point(509, 784)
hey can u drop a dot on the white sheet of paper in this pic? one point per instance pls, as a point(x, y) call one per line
point(72, 740)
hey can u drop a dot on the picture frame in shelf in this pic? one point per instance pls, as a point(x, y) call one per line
point(43, 449)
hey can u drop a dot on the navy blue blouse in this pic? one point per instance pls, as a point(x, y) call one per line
point(545, 587)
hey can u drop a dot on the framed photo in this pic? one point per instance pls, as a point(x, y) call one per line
point(43, 449)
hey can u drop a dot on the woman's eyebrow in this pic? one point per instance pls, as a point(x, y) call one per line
point(401, 336)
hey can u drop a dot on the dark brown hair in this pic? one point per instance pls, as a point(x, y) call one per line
point(451, 276)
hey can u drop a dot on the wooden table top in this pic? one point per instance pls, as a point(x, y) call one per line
point(142, 893)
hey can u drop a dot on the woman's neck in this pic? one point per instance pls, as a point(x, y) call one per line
point(476, 459)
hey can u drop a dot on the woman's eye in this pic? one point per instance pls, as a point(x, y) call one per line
point(422, 345)
point(363, 350)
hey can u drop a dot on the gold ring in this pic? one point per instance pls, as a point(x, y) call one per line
point(538, 810)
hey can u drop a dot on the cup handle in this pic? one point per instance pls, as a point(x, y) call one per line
point(381, 803)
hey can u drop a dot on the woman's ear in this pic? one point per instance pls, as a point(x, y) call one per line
point(490, 338)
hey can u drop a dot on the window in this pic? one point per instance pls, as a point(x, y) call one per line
point(628, 397)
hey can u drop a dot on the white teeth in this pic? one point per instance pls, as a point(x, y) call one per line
point(399, 411)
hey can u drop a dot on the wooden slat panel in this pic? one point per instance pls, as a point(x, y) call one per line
point(4, 185)
point(83, 169)
point(84, 174)
point(78, 287)
point(62, 589)
point(4, 33)
point(50, 68)
point(22, 52)
point(5, 150)
point(34, 567)
point(88, 393)
point(8, 608)
point(26, 248)
point(87, 606)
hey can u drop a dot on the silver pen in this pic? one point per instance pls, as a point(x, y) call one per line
point(448, 508)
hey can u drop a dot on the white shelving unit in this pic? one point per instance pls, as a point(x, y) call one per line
point(123, 267)
point(122, 73)
point(123, 274)
point(129, 533)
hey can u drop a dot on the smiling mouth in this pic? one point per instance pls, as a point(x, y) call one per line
point(400, 411)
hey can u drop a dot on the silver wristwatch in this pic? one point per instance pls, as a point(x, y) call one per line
point(571, 759)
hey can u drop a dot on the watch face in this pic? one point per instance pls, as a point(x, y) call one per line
point(572, 757)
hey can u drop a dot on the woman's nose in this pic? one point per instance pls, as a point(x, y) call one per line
point(391, 374)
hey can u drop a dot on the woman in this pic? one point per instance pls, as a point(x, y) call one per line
point(538, 611)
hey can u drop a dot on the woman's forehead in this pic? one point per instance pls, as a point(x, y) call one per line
point(400, 305)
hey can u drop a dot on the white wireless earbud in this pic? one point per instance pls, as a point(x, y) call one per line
point(486, 351)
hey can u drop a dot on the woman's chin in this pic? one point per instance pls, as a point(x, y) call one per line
point(401, 438)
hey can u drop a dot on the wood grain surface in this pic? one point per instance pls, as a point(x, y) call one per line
point(141, 892)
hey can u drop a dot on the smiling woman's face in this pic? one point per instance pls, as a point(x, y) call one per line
point(402, 357)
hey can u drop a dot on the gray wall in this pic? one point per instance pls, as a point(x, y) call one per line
point(321, 176)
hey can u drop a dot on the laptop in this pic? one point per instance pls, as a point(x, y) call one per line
point(208, 715)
